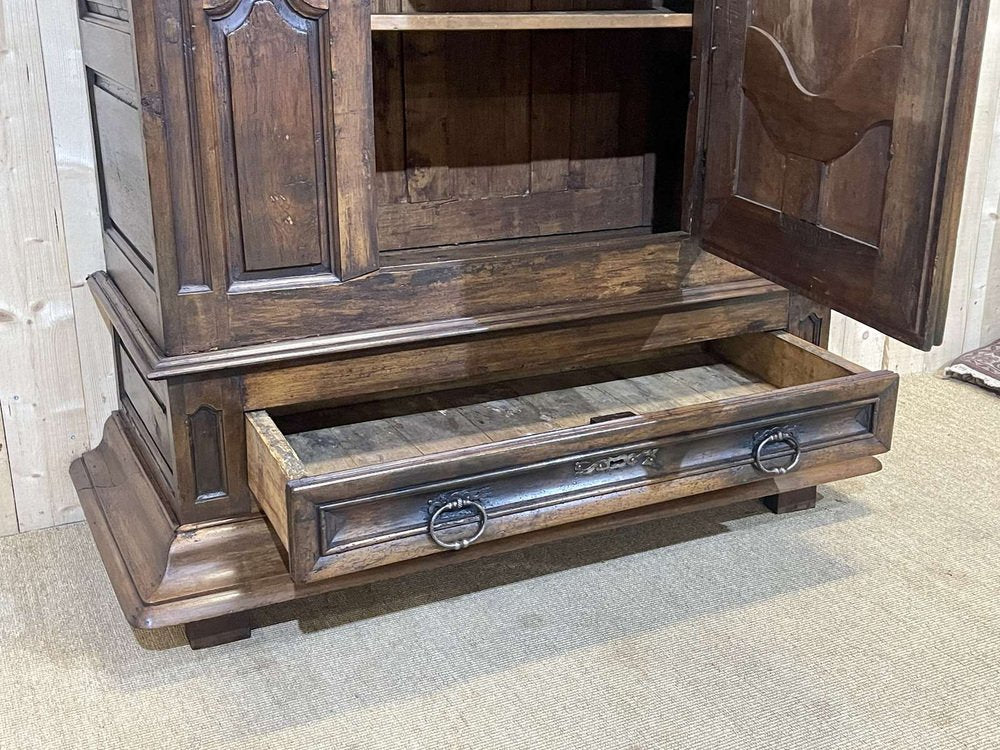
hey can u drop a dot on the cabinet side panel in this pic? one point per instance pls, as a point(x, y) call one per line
point(108, 8)
point(126, 199)
point(124, 182)
point(145, 405)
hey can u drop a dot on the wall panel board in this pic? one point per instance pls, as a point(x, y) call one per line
point(41, 387)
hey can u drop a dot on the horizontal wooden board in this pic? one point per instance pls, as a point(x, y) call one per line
point(471, 290)
point(404, 225)
point(510, 21)
point(107, 49)
point(109, 8)
point(487, 358)
point(132, 282)
point(429, 423)
point(519, 278)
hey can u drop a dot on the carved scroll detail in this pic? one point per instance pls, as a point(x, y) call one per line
point(219, 7)
point(314, 8)
point(820, 126)
point(616, 463)
point(310, 8)
point(478, 496)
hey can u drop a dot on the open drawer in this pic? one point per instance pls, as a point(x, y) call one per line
point(357, 487)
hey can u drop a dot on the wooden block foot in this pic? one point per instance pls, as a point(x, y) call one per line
point(789, 502)
point(218, 630)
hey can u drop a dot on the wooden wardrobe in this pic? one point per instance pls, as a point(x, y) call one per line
point(399, 283)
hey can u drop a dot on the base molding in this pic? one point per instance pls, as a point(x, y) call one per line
point(164, 574)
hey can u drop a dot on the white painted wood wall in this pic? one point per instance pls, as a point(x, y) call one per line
point(56, 372)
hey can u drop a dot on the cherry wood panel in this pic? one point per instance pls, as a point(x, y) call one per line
point(835, 136)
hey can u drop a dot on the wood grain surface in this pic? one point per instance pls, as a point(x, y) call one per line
point(174, 575)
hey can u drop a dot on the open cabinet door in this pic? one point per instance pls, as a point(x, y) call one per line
point(835, 148)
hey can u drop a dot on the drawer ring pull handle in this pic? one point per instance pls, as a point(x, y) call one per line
point(777, 436)
point(457, 504)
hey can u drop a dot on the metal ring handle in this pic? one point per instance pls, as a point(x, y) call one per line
point(778, 436)
point(457, 504)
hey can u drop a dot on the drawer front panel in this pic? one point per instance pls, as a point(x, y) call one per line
point(354, 524)
point(365, 518)
point(382, 501)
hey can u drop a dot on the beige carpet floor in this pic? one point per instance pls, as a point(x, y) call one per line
point(872, 621)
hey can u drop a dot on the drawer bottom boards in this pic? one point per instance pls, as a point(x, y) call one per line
point(357, 487)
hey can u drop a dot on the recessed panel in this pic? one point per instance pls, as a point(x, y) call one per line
point(827, 156)
point(275, 93)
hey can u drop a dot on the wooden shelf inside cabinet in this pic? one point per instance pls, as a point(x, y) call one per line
point(535, 20)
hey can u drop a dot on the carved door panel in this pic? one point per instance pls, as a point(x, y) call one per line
point(283, 110)
point(835, 138)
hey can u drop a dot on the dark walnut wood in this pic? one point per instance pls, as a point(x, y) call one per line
point(809, 320)
point(285, 159)
point(834, 141)
point(218, 630)
point(381, 283)
point(352, 488)
point(792, 501)
point(164, 574)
